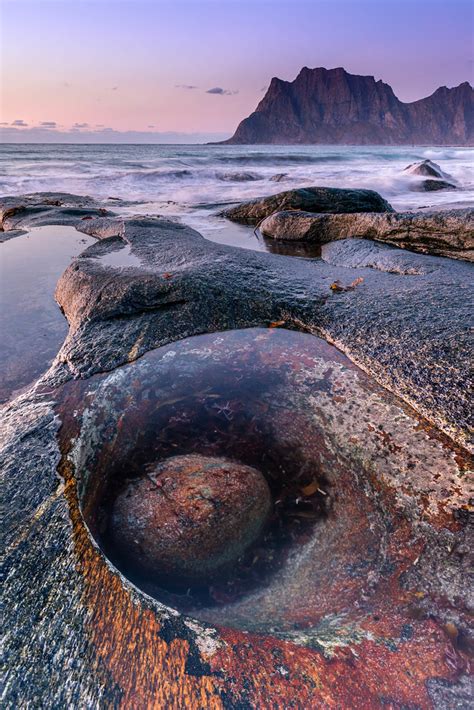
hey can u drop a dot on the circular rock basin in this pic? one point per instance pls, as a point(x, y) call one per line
point(258, 479)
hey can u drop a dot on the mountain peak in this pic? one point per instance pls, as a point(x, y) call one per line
point(333, 106)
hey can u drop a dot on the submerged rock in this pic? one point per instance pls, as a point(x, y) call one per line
point(432, 186)
point(239, 177)
point(311, 199)
point(190, 516)
point(447, 233)
point(378, 580)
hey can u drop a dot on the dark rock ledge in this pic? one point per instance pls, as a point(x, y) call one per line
point(79, 634)
point(448, 233)
point(310, 199)
point(321, 214)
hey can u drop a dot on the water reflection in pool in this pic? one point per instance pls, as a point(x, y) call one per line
point(288, 405)
point(31, 325)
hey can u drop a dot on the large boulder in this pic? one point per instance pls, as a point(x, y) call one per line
point(447, 233)
point(310, 199)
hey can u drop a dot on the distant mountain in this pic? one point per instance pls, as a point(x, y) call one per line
point(332, 106)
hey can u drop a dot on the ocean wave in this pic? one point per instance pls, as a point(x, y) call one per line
point(159, 174)
point(184, 180)
point(278, 159)
point(238, 177)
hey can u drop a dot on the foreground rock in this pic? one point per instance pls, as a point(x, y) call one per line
point(186, 282)
point(449, 233)
point(42, 208)
point(310, 199)
point(392, 545)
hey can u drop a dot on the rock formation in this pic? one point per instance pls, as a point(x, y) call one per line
point(437, 179)
point(426, 168)
point(311, 199)
point(447, 233)
point(382, 610)
point(335, 107)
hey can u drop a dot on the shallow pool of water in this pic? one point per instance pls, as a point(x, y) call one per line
point(31, 325)
point(121, 258)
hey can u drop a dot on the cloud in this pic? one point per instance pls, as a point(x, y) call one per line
point(185, 86)
point(81, 125)
point(152, 126)
point(4, 123)
point(48, 124)
point(19, 122)
point(221, 92)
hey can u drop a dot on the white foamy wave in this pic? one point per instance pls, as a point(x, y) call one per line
point(181, 179)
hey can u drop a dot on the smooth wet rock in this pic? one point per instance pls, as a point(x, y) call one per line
point(446, 233)
point(190, 516)
point(189, 285)
point(432, 186)
point(310, 199)
point(362, 253)
point(43, 208)
point(78, 631)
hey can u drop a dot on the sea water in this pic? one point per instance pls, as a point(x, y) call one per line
point(194, 182)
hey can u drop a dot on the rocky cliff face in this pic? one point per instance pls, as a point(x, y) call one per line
point(334, 107)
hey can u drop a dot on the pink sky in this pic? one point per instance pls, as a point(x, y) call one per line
point(127, 66)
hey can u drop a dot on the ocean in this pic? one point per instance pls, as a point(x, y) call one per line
point(193, 182)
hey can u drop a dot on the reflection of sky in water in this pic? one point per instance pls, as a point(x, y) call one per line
point(231, 396)
point(121, 258)
point(31, 325)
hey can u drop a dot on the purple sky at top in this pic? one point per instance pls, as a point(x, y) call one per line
point(129, 65)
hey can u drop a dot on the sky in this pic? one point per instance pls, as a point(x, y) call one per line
point(190, 70)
